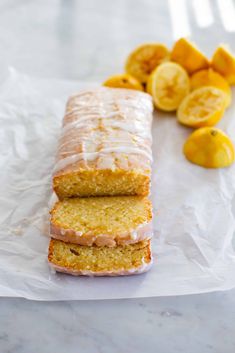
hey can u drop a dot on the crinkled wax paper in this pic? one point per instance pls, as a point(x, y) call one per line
point(193, 217)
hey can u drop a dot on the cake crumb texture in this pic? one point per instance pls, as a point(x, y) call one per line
point(102, 215)
point(99, 259)
point(83, 183)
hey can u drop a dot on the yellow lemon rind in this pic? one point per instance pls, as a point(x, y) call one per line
point(123, 81)
point(187, 54)
point(209, 147)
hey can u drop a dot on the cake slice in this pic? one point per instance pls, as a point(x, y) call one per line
point(105, 144)
point(100, 261)
point(102, 221)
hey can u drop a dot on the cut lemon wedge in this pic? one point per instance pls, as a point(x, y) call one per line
point(209, 147)
point(203, 107)
point(189, 56)
point(223, 61)
point(168, 84)
point(123, 81)
point(210, 77)
point(144, 59)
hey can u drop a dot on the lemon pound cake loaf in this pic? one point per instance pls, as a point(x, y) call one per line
point(100, 261)
point(102, 221)
point(105, 146)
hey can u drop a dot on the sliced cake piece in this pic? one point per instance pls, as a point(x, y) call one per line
point(105, 144)
point(102, 221)
point(100, 261)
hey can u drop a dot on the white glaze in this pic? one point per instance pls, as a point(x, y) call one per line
point(106, 122)
point(142, 232)
point(90, 156)
point(139, 127)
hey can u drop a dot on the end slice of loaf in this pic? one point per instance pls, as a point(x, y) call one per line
point(105, 144)
point(102, 221)
point(100, 261)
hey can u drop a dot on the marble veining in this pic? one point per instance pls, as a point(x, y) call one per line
point(191, 324)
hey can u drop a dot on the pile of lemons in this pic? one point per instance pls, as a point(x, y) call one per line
point(185, 81)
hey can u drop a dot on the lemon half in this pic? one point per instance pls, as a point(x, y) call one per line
point(203, 107)
point(168, 84)
point(189, 56)
point(223, 61)
point(209, 147)
point(144, 59)
point(210, 77)
point(123, 81)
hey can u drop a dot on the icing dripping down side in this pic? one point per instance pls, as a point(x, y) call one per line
point(105, 125)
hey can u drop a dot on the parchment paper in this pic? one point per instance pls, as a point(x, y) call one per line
point(193, 218)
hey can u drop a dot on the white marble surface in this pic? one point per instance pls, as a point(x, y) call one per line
point(89, 39)
point(191, 324)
